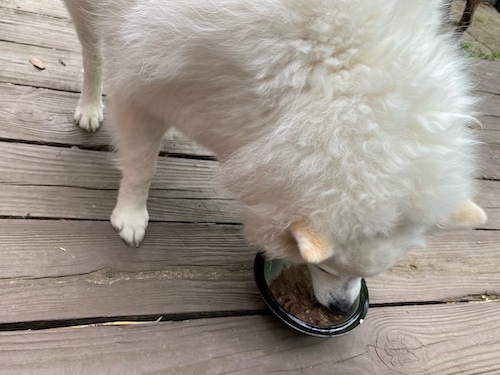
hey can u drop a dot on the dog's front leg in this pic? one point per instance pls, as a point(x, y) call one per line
point(88, 113)
point(137, 138)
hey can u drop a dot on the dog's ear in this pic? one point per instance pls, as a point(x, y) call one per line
point(313, 248)
point(468, 215)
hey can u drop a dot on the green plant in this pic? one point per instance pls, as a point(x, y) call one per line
point(473, 51)
point(466, 45)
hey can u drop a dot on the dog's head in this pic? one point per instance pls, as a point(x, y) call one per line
point(337, 267)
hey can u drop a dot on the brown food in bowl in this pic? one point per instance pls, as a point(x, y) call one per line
point(292, 290)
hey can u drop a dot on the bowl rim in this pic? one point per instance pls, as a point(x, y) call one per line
point(290, 320)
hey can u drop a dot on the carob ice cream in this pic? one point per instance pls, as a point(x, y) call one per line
point(293, 291)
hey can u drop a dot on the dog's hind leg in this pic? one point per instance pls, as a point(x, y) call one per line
point(137, 137)
point(88, 113)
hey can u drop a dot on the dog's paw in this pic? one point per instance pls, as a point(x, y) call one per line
point(130, 224)
point(88, 116)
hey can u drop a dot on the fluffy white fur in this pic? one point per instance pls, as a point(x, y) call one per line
point(348, 117)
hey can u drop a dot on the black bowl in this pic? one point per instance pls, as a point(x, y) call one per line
point(266, 270)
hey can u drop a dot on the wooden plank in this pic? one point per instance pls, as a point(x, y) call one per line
point(489, 162)
point(72, 169)
point(183, 268)
point(16, 67)
point(490, 123)
point(29, 28)
point(46, 8)
point(189, 205)
point(46, 116)
point(490, 104)
point(105, 293)
point(487, 74)
point(36, 249)
point(77, 203)
point(453, 265)
point(488, 198)
point(427, 340)
point(490, 132)
point(69, 270)
point(490, 154)
point(26, 164)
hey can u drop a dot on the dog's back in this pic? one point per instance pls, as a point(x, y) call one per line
point(349, 117)
point(355, 100)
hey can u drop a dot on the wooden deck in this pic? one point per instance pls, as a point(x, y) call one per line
point(75, 300)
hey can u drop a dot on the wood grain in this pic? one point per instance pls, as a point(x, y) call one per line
point(60, 248)
point(17, 69)
point(185, 268)
point(68, 270)
point(107, 292)
point(488, 197)
point(76, 203)
point(490, 152)
point(490, 133)
point(46, 8)
point(51, 173)
point(26, 164)
point(28, 28)
point(46, 116)
point(487, 75)
point(453, 265)
point(426, 340)
point(489, 162)
point(184, 205)
point(489, 105)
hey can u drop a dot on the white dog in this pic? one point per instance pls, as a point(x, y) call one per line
point(341, 125)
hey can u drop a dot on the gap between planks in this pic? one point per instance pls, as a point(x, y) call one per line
point(169, 317)
point(426, 340)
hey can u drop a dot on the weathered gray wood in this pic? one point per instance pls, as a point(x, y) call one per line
point(489, 162)
point(488, 197)
point(425, 340)
point(70, 168)
point(68, 270)
point(490, 104)
point(46, 116)
point(76, 203)
point(103, 293)
point(26, 164)
point(60, 248)
point(183, 268)
point(195, 205)
point(453, 265)
point(46, 8)
point(463, 252)
point(16, 67)
point(487, 74)
point(490, 133)
point(27, 28)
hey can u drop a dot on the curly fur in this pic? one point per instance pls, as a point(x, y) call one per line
point(349, 116)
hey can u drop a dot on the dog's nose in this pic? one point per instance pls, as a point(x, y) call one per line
point(340, 308)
